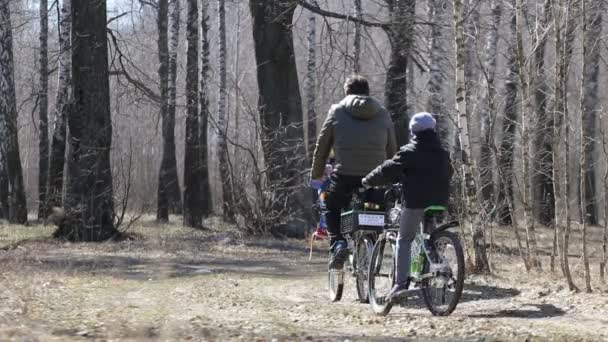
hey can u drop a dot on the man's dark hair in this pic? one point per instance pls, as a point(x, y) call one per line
point(356, 85)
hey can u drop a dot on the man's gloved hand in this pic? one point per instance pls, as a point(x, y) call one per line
point(316, 183)
point(365, 183)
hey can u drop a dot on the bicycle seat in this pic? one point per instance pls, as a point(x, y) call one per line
point(434, 210)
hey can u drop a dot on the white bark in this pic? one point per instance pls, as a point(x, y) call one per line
point(468, 164)
point(357, 40)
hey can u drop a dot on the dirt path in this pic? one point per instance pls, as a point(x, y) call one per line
point(175, 285)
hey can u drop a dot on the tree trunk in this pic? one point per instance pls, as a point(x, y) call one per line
point(437, 68)
point(310, 84)
point(590, 108)
point(488, 112)
point(206, 204)
point(585, 140)
point(89, 202)
point(43, 105)
point(527, 111)
point(168, 126)
point(226, 174)
point(62, 107)
point(563, 53)
point(400, 34)
point(542, 179)
point(4, 189)
point(174, 194)
point(9, 138)
point(469, 169)
point(506, 149)
point(193, 212)
point(279, 103)
point(357, 40)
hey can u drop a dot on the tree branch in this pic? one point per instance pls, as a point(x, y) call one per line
point(316, 9)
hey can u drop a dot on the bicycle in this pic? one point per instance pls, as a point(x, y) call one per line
point(441, 282)
point(360, 225)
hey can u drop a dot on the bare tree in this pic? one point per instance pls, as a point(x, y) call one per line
point(400, 32)
point(585, 139)
point(206, 204)
point(542, 149)
point(167, 175)
point(488, 108)
point(62, 106)
point(43, 105)
point(357, 40)
point(4, 188)
point(89, 202)
point(310, 84)
point(279, 103)
point(225, 171)
point(590, 107)
point(469, 169)
point(526, 111)
point(563, 16)
point(9, 141)
point(174, 191)
point(437, 66)
point(193, 211)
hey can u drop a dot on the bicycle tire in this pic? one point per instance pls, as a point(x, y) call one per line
point(378, 302)
point(363, 249)
point(458, 281)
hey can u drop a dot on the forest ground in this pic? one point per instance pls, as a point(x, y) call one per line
point(172, 283)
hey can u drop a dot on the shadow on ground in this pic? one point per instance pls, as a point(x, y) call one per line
point(534, 311)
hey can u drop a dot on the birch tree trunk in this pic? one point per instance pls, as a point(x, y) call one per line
point(590, 108)
point(89, 202)
point(206, 203)
point(400, 34)
point(526, 111)
point(62, 107)
point(585, 139)
point(9, 139)
point(469, 169)
point(506, 151)
point(226, 174)
point(357, 39)
point(437, 67)
point(563, 52)
point(43, 105)
point(310, 84)
point(488, 110)
point(193, 213)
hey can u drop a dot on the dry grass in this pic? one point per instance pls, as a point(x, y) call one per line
point(174, 283)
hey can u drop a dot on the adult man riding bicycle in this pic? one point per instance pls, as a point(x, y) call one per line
point(362, 135)
point(423, 167)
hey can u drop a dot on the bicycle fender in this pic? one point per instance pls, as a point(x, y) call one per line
point(445, 226)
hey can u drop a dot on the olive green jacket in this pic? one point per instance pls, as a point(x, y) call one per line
point(361, 133)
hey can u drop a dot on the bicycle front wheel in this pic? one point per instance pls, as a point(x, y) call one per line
point(381, 276)
point(363, 253)
point(441, 293)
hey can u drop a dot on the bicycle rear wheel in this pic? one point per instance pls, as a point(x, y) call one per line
point(363, 253)
point(381, 276)
point(442, 292)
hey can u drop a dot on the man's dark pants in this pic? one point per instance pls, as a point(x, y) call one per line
point(339, 195)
